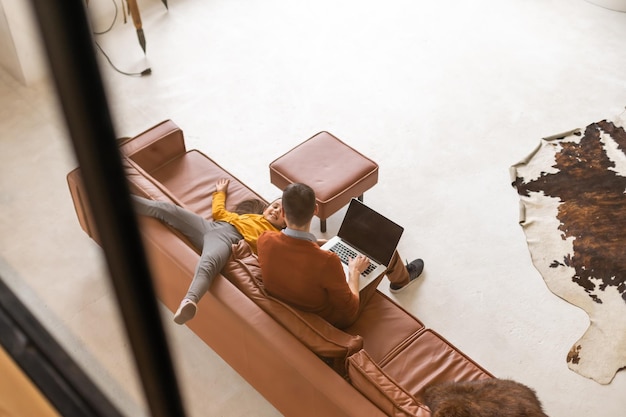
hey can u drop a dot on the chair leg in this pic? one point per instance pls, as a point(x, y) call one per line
point(323, 225)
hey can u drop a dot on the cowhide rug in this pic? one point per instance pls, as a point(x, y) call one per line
point(573, 212)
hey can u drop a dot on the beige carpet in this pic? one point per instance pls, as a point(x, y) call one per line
point(573, 212)
point(444, 96)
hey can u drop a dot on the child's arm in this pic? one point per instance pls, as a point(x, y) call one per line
point(219, 202)
point(222, 185)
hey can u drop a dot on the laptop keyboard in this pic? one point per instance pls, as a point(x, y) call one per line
point(345, 253)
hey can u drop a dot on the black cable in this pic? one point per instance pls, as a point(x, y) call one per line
point(112, 23)
point(147, 71)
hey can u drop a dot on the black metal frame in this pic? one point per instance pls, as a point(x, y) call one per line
point(70, 49)
point(45, 362)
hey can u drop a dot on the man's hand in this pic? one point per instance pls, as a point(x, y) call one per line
point(222, 184)
point(355, 267)
point(360, 264)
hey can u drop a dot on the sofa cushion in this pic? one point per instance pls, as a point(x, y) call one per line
point(385, 327)
point(381, 389)
point(317, 334)
point(431, 359)
point(193, 175)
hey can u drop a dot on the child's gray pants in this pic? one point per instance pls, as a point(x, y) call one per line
point(214, 239)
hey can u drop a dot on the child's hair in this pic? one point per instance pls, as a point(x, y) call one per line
point(251, 206)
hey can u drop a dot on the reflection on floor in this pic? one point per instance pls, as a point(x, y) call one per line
point(445, 96)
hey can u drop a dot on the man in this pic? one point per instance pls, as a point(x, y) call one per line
point(296, 270)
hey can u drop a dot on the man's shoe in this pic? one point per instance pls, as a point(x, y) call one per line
point(185, 312)
point(414, 269)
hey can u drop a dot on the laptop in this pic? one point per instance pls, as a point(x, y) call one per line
point(368, 233)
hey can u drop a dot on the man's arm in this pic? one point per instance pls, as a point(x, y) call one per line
point(343, 294)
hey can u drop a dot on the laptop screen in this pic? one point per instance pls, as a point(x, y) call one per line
point(371, 233)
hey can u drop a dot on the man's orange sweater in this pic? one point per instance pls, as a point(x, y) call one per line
point(298, 272)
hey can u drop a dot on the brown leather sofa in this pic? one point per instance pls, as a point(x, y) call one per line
point(296, 360)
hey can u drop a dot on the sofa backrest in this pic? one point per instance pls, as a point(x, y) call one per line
point(366, 376)
point(325, 340)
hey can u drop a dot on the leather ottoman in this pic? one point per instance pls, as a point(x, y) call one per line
point(335, 171)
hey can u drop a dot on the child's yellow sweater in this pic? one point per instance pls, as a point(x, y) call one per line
point(250, 226)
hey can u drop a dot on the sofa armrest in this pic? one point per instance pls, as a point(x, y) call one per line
point(367, 377)
point(81, 204)
point(156, 146)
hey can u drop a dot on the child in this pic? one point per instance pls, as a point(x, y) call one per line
point(214, 238)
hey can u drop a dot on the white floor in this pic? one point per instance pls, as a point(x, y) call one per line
point(445, 96)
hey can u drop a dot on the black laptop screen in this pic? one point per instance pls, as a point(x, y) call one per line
point(370, 232)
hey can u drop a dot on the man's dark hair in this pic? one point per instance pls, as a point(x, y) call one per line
point(298, 203)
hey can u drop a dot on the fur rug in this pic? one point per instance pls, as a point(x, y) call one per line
point(573, 213)
point(485, 398)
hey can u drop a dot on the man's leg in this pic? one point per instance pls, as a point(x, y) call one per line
point(401, 275)
point(397, 272)
point(367, 292)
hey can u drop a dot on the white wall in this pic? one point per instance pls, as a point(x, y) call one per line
point(21, 53)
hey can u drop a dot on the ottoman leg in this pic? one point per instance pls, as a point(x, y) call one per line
point(323, 221)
